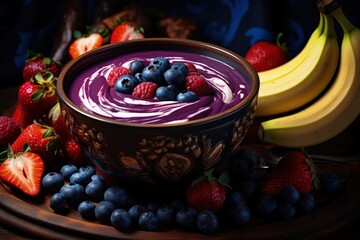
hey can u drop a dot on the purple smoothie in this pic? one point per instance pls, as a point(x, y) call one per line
point(90, 91)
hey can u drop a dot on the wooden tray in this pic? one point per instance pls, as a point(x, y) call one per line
point(35, 217)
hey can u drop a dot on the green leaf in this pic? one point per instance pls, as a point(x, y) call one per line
point(77, 34)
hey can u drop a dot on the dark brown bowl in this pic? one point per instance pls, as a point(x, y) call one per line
point(159, 153)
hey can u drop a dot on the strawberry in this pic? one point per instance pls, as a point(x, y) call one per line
point(41, 139)
point(85, 43)
point(197, 84)
point(39, 63)
point(74, 153)
point(23, 116)
point(207, 192)
point(115, 73)
point(125, 31)
point(191, 67)
point(294, 169)
point(23, 171)
point(9, 131)
point(145, 90)
point(265, 55)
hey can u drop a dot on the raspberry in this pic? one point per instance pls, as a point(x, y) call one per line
point(9, 131)
point(191, 67)
point(115, 73)
point(145, 90)
point(198, 85)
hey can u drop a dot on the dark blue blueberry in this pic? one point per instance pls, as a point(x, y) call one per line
point(120, 219)
point(248, 156)
point(136, 210)
point(165, 214)
point(136, 66)
point(126, 84)
point(139, 77)
point(286, 211)
point(152, 206)
point(88, 170)
point(95, 190)
point(187, 96)
point(181, 67)
point(68, 170)
point(248, 188)
point(176, 203)
point(207, 222)
point(74, 193)
point(52, 182)
point(234, 198)
point(289, 194)
point(87, 209)
point(164, 93)
point(239, 213)
point(266, 205)
point(330, 183)
point(103, 211)
point(117, 195)
point(148, 221)
point(174, 76)
point(161, 62)
point(80, 178)
point(58, 202)
point(154, 74)
point(306, 203)
point(97, 177)
point(186, 217)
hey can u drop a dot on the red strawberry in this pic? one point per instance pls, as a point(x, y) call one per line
point(41, 139)
point(191, 67)
point(265, 55)
point(294, 169)
point(39, 63)
point(9, 131)
point(207, 192)
point(145, 90)
point(23, 171)
point(74, 153)
point(84, 44)
point(198, 85)
point(115, 73)
point(125, 31)
point(23, 116)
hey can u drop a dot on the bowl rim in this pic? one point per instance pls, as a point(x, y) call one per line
point(185, 42)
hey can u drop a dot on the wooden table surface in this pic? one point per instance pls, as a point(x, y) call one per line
point(8, 97)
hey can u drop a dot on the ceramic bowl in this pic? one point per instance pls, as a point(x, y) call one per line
point(159, 153)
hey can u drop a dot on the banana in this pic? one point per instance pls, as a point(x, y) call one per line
point(334, 111)
point(289, 66)
point(300, 86)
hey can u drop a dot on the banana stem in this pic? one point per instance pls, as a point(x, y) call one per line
point(344, 22)
point(329, 30)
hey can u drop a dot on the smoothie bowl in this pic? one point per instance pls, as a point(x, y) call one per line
point(156, 140)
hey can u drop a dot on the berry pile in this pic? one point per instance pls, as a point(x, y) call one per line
point(160, 79)
point(231, 198)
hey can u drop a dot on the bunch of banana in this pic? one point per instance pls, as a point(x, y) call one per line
point(335, 110)
point(302, 79)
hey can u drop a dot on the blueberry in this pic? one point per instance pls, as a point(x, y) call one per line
point(135, 211)
point(97, 177)
point(174, 76)
point(148, 221)
point(176, 203)
point(234, 198)
point(165, 214)
point(181, 67)
point(266, 205)
point(117, 195)
point(248, 156)
point(161, 62)
point(248, 188)
point(306, 203)
point(74, 193)
point(58, 202)
point(330, 182)
point(238, 170)
point(87, 209)
point(207, 222)
point(126, 84)
point(136, 66)
point(239, 213)
point(103, 211)
point(139, 77)
point(164, 93)
point(154, 74)
point(286, 211)
point(95, 191)
point(120, 219)
point(88, 170)
point(80, 178)
point(52, 182)
point(186, 217)
point(187, 96)
point(289, 194)
point(153, 206)
point(68, 170)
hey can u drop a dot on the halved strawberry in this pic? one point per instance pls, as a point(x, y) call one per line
point(23, 171)
point(84, 44)
point(125, 31)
